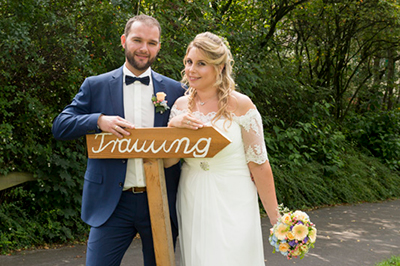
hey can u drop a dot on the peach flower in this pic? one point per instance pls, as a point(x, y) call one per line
point(281, 230)
point(300, 231)
point(161, 96)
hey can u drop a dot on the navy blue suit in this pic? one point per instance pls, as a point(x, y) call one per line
point(104, 178)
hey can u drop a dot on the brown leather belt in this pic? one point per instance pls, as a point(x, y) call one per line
point(136, 189)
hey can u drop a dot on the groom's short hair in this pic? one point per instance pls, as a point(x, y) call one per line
point(147, 20)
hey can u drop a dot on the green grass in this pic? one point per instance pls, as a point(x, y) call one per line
point(393, 261)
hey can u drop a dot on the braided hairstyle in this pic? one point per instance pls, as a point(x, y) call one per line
point(217, 53)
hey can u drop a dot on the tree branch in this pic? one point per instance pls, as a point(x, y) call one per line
point(280, 13)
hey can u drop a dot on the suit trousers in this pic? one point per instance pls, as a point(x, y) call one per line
point(108, 243)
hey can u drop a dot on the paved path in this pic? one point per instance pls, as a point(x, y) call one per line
point(356, 235)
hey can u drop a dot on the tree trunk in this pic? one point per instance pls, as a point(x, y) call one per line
point(390, 80)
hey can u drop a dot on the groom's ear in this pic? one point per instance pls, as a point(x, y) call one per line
point(123, 40)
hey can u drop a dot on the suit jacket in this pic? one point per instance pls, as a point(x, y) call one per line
point(104, 178)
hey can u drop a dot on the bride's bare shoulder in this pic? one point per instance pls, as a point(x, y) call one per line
point(241, 103)
point(182, 102)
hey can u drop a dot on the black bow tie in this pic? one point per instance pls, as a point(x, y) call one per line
point(144, 80)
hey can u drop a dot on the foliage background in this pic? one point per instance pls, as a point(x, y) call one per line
point(323, 74)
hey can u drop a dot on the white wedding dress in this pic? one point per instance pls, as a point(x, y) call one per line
point(217, 204)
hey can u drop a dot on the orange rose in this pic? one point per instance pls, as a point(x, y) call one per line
point(160, 96)
point(290, 235)
point(284, 247)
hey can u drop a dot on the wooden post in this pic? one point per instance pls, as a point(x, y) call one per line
point(159, 211)
point(151, 144)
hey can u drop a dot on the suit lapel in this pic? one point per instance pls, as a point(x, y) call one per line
point(159, 119)
point(117, 100)
point(116, 93)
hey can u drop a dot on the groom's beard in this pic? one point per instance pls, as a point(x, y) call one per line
point(136, 64)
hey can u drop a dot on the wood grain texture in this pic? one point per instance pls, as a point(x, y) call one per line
point(159, 212)
point(158, 143)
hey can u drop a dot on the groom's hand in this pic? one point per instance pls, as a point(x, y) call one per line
point(115, 125)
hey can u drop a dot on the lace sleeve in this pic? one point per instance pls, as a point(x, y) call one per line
point(253, 137)
point(175, 112)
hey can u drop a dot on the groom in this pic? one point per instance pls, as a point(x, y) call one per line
point(114, 201)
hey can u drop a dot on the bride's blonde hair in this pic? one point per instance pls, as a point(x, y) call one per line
point(216, 53)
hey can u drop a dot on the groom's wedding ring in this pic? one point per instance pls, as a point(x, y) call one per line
point(188, 122)
point(115, 127)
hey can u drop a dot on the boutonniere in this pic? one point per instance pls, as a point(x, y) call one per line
point(159, 102)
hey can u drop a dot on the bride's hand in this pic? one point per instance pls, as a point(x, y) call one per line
point(274, 219)
point(185, 121)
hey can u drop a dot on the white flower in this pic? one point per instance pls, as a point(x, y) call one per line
point(313, 235)
point(302, 216)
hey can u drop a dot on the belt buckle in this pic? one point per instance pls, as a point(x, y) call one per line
point(142, 190)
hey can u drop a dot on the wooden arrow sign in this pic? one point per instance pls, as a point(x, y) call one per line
point(153, 144)
point(158, 143)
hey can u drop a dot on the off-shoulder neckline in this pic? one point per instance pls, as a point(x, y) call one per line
point(212, 114)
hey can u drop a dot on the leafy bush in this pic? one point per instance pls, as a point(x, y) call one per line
point(361, 178)
point(378, 133)
point(22, 228)
point(49, 47)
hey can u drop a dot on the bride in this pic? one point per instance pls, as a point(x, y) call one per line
point(217, 204)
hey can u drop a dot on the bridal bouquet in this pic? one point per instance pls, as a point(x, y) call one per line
point(293, 235)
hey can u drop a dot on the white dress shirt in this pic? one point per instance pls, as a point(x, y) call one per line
point(139, 110)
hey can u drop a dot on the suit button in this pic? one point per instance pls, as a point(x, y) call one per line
point(123, 161)
point(120, 184)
